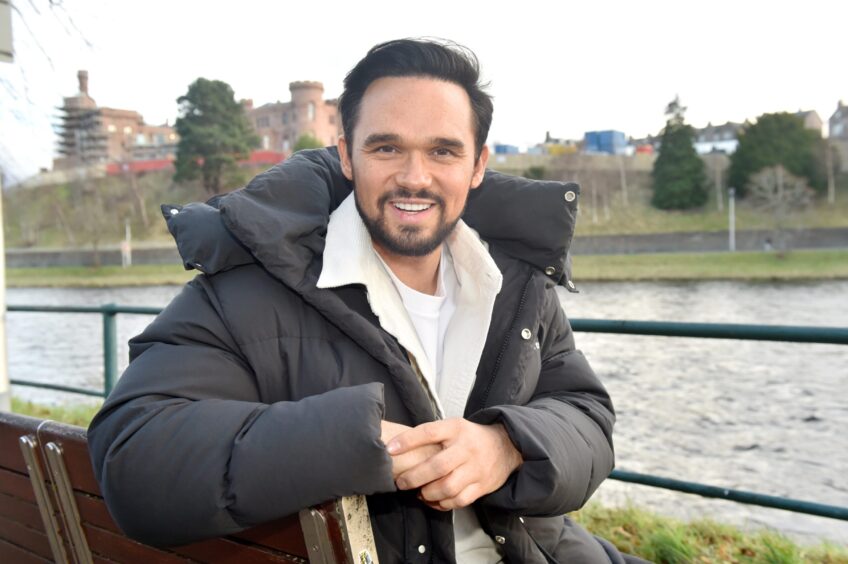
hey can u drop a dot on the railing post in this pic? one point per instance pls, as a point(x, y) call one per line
point(110, 348)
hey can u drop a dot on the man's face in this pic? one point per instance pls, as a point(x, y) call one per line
point(412, 162)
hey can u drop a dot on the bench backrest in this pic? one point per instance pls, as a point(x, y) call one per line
point(51, 509)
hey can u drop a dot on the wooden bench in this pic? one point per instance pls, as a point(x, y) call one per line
point(51, 510)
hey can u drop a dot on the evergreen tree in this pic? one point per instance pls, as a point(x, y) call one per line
point(679, 178)
point(778, 139)
point(214, 133)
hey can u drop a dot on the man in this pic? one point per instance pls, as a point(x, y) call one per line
point(370, 343)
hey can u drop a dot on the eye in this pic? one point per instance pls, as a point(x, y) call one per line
point(388, 149)
point(443, 152)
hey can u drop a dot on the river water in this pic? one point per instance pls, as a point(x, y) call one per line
point(758, 416)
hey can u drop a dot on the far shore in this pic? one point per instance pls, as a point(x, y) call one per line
point(807, 265)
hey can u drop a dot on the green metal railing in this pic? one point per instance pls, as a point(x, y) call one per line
point(783, 333)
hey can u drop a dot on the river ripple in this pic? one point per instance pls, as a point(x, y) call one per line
point(766, 417)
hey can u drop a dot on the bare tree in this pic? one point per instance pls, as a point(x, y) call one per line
point(775, 190)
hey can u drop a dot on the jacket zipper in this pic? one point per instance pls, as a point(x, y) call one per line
point(506, 342)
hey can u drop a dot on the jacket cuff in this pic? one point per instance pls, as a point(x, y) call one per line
point(319, 448)
point(549, 480)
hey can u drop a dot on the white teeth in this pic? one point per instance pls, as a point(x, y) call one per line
point(412, 207)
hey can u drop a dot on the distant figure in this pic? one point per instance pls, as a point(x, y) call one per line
point(767, 246)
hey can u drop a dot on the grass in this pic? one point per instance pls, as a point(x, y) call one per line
point(105, 276)
point(80, 415)
point(669, 541)
point(639, 217)
point(795, 265)
point(633, 530)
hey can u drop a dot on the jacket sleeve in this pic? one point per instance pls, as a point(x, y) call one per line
point(564, 432)
point(184, 449)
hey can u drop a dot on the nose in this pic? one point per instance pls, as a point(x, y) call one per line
point(414, 173)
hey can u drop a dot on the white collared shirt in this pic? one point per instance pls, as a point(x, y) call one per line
point(350, 258)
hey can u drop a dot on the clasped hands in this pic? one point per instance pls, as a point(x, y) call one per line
point(453, 461)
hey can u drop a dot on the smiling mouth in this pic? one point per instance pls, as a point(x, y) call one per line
point(411, 208)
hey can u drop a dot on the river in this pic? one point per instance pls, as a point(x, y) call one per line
point(760, 416)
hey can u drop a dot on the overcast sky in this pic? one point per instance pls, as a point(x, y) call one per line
point(565, 67)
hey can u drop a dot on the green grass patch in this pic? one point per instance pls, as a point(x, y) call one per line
point(105, 276)
point(639, 217)
point(80, 415)
point(669, 541)
point(795, 265)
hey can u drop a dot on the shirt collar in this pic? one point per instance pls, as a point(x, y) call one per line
point(350, 258)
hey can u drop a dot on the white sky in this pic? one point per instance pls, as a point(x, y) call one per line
point(565, 67)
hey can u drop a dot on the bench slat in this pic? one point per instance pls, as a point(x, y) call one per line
point(21, 511)
point(17, 555)
point(32, 540)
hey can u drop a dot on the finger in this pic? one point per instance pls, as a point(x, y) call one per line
point(434, 468)
point(424, 434)
point(449, 486)
point(465, 498)
point(403, 462)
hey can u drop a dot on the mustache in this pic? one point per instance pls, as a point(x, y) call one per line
point(400, 193)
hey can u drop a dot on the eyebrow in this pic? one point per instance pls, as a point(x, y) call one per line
point(378, 138)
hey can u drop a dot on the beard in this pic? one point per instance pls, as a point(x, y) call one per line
point(409, 240)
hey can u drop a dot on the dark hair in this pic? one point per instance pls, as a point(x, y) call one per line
point(442, 60)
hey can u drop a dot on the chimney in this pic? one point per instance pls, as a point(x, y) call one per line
point(82, 76)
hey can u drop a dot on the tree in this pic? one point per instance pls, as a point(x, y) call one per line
point(778, 139)
point(781, 194)
point(307, 141)
point(679, 178)
point(214, 133)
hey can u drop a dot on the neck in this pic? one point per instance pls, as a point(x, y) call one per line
point(419, 273)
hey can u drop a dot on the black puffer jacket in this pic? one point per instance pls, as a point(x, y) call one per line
point(254, 394)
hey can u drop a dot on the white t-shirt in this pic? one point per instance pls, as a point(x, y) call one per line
point(431, 316)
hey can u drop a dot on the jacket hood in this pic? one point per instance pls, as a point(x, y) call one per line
point(280, 219)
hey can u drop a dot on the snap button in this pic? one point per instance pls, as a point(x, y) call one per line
point(536, 345)
point(521, 519)
point(570, 284)
point(174, 211)
point(500, 540)
point(569, 196)
point(422, 549)
point(550, 271)
point(526, 334)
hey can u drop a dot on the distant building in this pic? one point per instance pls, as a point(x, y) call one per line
point(811, 120)
point(838, 136)
point(718, 138)
point(557, 146)
point(609, 141)
point(280, 124)
point(504, 149)
point(89, 134)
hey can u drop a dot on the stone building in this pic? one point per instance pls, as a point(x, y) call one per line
point(280, 124)
point(838, 136)
point(90, 134)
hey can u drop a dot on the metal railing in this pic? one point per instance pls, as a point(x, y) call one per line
point(783, 333)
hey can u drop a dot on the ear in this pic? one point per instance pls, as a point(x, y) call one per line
point(480, 167)
point(344, 156)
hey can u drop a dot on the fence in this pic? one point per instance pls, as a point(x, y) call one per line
point(783, 333)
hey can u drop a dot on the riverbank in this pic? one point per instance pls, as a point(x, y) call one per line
point(633, 530)
point(754, 266)
point(757, 266)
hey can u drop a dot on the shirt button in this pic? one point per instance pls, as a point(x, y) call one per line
point(422, 549)
point(526, 334)
point(569, 196)
point(500, 540)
